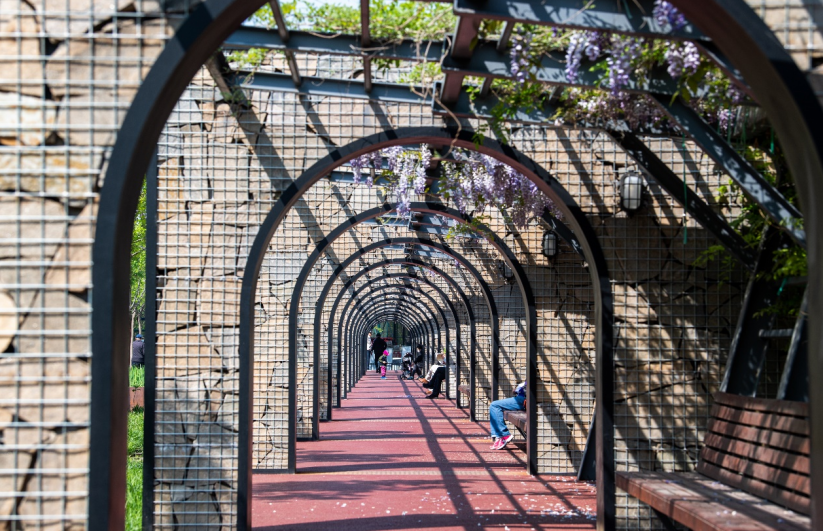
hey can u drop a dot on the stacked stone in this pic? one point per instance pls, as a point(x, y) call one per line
point(69, 70)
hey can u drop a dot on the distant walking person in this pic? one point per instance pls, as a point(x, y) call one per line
point(138, 351)
point(378, 346)
point(369, 342)
point(384, 360)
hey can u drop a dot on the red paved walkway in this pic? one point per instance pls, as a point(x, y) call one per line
point(391, 459)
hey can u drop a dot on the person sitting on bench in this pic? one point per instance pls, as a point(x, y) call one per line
point(434, 378)
point(500, 432)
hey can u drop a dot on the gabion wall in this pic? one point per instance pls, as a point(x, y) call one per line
point(69, 72)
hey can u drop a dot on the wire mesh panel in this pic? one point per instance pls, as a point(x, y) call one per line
point(69, 73)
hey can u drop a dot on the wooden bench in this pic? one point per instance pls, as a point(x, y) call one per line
point(518, 419)
point(753, 466)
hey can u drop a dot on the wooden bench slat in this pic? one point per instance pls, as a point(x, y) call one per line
point(766, 405)
point(518, 418)
point(754, 452)
point(793, 443)
point(759, 488)
point(779, 479)
point(764, 420)
point(703, 505)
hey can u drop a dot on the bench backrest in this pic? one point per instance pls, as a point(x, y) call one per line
point(760, 446)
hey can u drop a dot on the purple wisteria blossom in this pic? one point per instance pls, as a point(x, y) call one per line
point(586, 43)
point(682, 59)
point(724, 117)
point(668, 15)
point(625, 51)
point(472, 182)
point(519, 57)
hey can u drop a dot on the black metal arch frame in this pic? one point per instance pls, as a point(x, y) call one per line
point(358, 364)
point(364, 321)
point(433, 208)
point(358, 327)
point(484, 288)
point(347, 340)
point(430, 323)
point(369, 284)
point(777, 83)
point(434, 269)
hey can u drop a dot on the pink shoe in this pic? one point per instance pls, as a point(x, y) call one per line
point(494, 443)
point(502, 442)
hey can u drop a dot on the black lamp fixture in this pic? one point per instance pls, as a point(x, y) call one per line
point(505, 270)
point(631, 191)
point(549, 244)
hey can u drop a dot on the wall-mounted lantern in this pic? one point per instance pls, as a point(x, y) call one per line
point(631, 191)
point(549, 244)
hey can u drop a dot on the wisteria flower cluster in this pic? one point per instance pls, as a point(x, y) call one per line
point(472, 181)
point(683, 59)
point(624, 53)
point(582, 42)
point(520, 51)
point(667, 15)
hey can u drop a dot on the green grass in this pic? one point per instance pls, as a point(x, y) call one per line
point(137, 377)
point(134, 471)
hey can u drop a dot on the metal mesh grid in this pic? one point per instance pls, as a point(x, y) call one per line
point(67, 75)
point(70, 71)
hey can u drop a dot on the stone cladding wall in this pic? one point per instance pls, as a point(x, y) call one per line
point(68, 73)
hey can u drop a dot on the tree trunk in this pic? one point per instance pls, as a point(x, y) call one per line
point(131, 331)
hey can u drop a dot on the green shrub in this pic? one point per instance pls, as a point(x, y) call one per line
point(137, 377)
point(134, 471)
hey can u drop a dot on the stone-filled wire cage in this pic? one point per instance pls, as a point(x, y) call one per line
point(269, 260)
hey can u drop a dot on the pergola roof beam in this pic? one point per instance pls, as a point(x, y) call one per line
point(461, 49)
point(283, 32)
point(486, 61)
point(482, 108)
point(247, 37)
point(365, 38)
point(633, 17)
point(316, 86)
point(753, 184)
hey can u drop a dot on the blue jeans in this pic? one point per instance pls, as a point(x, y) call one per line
point(496, 409)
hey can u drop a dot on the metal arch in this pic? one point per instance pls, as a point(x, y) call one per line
point(431, 315)
point(358, 333)
point(547, 184)
point(373, 294)
point(409, 261)
point(357, 336)
point(434, 208)
point(340, 334)
point(426, 323)
point(743, 37)
point(356, 343)
point(305, 271)
point(354, 320)
point(359, 319)
point(466, 304)
point(330, 371)
point(795, 113)
point(352, 338)
point(333, 314)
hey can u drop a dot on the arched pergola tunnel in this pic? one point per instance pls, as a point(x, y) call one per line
point(228, 155)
